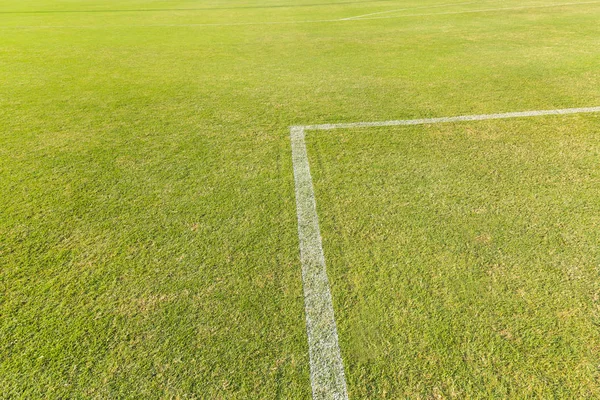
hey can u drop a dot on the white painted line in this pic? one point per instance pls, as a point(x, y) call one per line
point(326, 366)
point(314, 21)
point(485, 10)
point(412, 8)
point(481, 117)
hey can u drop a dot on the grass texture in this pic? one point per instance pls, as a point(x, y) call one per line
point(148, 242)
point(470, 266)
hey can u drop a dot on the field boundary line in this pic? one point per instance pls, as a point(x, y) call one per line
point(410, 8)
point(423, 121)
point(327, 375)
point(326, 366)
point(291, 5)
point(315, 21)
point(484, 10)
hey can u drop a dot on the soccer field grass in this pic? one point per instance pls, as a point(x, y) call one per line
point(469, 267)
point(148, 229)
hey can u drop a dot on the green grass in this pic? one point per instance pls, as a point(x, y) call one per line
point(468, 266)
point(148, 243)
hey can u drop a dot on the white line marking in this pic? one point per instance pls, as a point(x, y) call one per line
point(412, 8)
point(326, 366)
point(315, 21)
point(481, 10)
point(480, 117)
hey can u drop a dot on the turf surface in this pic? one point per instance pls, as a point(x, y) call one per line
point(148, 245)
point(470, 266)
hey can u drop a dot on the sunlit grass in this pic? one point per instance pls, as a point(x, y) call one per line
point(148, 243)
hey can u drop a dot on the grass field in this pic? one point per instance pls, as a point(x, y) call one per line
point(469, 268)
point(148, 231)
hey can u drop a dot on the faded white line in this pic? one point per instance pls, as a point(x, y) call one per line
point(326, 366)
point(314, 21)
point(233, 24)
point(485, 10)
point(480, 117)
point(411, 8)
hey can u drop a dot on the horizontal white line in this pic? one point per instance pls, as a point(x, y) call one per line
point(315, 21)
point(480, 10)
point(480, 117)
point(413, 8)
point(133, 10)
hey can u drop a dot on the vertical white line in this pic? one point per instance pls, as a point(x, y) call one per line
point(326, 366)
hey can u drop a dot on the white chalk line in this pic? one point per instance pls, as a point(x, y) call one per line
point(485, 10)
point(413, 8)
point(326, 366)
point(315, 21)
point(480, 117)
